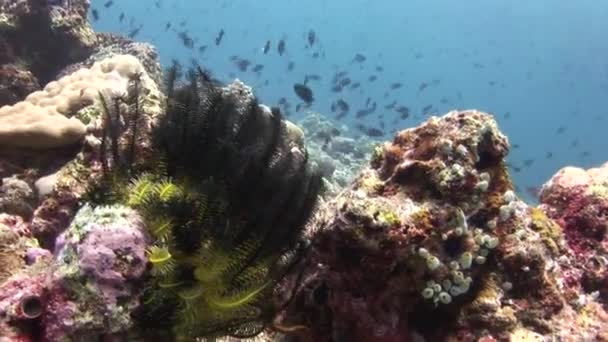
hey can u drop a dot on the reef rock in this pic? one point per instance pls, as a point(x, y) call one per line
point(577, 200)
point(430, 242)
point(45, 36)
point(91, 286)
point(339, 155)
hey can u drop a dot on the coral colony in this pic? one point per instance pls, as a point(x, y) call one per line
point(137, 205)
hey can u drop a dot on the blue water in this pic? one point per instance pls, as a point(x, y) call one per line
point(543, 62)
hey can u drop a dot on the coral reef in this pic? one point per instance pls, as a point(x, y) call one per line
point(109, 45)
point(127, 213)
point(577, 200)
point(40, 121)
point(339, 155)
point(91, 285)
point(37, 39)
point(431, 242)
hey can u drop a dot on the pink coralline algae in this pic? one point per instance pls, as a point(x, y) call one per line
point(90, 287)
point(577, 200)
point(431, 243)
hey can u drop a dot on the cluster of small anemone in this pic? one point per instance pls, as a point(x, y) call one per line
point(458, 281)
point(506, 210)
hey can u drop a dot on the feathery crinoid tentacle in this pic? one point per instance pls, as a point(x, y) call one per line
point(226, 208)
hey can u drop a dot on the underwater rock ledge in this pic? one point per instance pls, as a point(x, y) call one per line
point(430, 243)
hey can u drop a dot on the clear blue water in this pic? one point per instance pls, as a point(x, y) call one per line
point(543, 62)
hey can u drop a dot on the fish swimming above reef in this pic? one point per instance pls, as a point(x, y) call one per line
point(303, 92)
point(312, 36)
point(359, 58)
point(266, 47)
point(219, 37)
point(281, 47)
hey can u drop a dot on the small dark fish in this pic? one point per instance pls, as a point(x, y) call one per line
point(337, 88)
point(549, 155)
point(290, 66)
point(478, 66)
point(341, 74)
point(303, 92)
point(561, 129)
point(396, 85)
point(281, 47)
point(340, 115)
point(311, 77)
point(422, 86)
point(257, 68)
point(369, 131)
point(311, 38)
point(345, 81)
point(167, 26)
point(342, 105)
point(241, 63)
point(365, 112)
point(95, 14)
point(315, 55)
point(374, 132)
point(367, 102)
point(266, 47)
point(108, 4)
point(391, 105)
point(186, 40)
point(355, 85)
point(507, 115)
point(533, 191)
point(134, 32)
point(326, 143)
point(359, 58)
point(219, 37)
point(528, 162)
point(574, 143)
point(372, 78)
point(379, 68)
point(202, 48)
point(515, 146)
point(404, 111)
point(427, 109)
point(121, 17)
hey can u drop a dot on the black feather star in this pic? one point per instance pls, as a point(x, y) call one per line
point(227, 204)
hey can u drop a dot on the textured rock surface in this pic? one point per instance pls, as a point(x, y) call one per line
point(339, 155)
point(577, 199)
point(44, 35)
point(431, 242)
point(90, 288)
point(40, 121)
